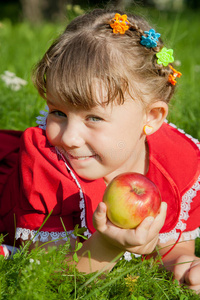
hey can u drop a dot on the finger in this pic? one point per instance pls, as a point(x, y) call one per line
point(142, 231)
point(147, 249)
point(159, 220)
point(150, 227)
point(195, 288)
point(100, 218)
point(192, 276)
point(181, 268)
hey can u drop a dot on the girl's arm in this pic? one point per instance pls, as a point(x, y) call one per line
point(110, 242)
point(103, 249)
point(182, 262)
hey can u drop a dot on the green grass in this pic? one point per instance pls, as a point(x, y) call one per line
point(48, 276)
point(22, 45)
point(180, 31)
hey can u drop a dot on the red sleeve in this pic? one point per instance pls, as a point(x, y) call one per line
point(46, 186)
point(175, 168)
point(9, 149)
point(40, 184)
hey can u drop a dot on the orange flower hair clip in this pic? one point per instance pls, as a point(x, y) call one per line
point(120, 24)
point(172, 77)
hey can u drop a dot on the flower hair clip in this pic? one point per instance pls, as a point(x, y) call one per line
point(165, 56)
point(172, 77)
point(120, 24)
point(150, 41)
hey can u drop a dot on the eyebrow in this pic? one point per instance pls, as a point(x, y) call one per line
point(96, 109)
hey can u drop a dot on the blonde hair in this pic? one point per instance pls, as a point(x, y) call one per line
point(88, 50)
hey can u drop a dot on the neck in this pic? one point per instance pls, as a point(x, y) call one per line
point(139, 165)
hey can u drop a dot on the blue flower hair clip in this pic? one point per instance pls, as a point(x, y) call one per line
point(150, 41)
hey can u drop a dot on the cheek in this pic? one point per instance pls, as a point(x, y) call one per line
point(124, 143)
point(53, 132)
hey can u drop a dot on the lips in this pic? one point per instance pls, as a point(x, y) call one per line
point(81, 157)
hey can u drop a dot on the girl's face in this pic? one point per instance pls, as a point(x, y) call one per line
point(102, 142)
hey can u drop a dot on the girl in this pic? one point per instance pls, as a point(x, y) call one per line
point(107, 81)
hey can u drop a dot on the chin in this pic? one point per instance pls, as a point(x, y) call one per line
point(89, 177)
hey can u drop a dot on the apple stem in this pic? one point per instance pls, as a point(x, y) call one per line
point(137, 190)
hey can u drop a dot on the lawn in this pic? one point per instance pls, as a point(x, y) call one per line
point(38, 275)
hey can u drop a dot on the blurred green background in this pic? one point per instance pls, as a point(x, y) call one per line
point(28, 27)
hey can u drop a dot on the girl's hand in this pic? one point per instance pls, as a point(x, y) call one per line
point(187, 271)
point(141, 240)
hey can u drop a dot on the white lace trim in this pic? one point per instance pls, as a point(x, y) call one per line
point(82, 200)
point(185, 206)
point(195, 141)
point(174, 235)
point(185, 236)
point(184, 214)
point(42, 236)
point(41, 120)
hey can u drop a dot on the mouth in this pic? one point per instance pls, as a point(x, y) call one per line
point(80, 157)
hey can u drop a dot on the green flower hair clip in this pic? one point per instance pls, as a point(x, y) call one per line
point(165, 56)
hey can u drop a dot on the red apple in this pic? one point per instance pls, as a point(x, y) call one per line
point(130, 198)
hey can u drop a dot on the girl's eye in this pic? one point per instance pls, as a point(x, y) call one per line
point(94, 118)
point(58, 113)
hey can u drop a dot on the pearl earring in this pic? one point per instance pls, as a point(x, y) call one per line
point(147, 129)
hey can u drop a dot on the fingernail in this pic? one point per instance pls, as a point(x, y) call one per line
point(101, 208)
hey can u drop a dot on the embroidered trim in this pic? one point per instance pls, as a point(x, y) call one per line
point(195, 141)
point(185, 236)
point(185, 206)
point(41, 120)
point(173, 235)
point(42, 236)
point(82, 200)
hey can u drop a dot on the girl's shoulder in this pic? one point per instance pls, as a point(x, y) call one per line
point(177, 154)
point(34, 135)
point(36, 152)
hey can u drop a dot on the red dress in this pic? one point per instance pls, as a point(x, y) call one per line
point(38, 188)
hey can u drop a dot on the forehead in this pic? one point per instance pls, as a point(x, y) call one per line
point(97, 93)
point(101, 106)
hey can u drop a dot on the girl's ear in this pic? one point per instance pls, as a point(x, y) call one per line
point(156, 113)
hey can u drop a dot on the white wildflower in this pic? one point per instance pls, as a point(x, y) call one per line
point(12, 81)
point(31, 260)
point(177, 63)
point(197, 68)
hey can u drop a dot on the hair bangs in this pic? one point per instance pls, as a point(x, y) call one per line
point(75, 73)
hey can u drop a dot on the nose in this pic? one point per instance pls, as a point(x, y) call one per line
point(73, 135)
